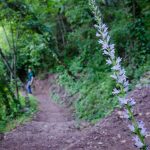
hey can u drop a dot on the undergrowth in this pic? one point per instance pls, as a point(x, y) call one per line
point(93, 86)
point(10, 122)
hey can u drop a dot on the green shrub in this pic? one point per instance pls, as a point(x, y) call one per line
point(7, 123)
point(95, 99)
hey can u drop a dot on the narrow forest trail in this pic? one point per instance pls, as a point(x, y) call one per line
point(53, 127)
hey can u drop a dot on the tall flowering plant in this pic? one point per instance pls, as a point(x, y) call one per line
point(119, 75)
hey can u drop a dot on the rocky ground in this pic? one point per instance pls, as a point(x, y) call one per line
point(54, 128)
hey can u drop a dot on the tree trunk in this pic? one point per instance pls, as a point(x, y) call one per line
point(14, 60)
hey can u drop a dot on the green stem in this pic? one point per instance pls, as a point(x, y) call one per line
point(134, 122)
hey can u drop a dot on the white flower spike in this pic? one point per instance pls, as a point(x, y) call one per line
point(120, 77)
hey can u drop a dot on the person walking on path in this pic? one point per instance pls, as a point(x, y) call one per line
point(30, 81)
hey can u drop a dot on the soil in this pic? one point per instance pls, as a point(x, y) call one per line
point(112, 133)
point(54, 127)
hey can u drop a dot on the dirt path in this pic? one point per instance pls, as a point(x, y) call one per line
point(53, 128)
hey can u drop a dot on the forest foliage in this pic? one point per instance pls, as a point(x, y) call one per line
point(58, 36)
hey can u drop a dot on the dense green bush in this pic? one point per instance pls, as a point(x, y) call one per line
point(94, 100)
point(17, 116)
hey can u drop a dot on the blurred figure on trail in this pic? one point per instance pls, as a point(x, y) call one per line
point(30, 80)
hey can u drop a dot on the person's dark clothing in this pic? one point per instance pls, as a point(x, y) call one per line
point(30, 76)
